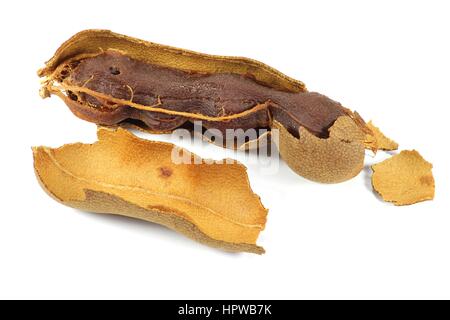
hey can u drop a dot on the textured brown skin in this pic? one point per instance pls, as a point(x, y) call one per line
point(341, 155)
point(147, 185)
point(120, 67)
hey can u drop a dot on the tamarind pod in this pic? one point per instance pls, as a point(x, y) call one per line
point(112, 79)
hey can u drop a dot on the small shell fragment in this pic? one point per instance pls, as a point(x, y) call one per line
point(382, 142)
point(404, 179)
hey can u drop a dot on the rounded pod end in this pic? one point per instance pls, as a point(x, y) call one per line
point(335, 159)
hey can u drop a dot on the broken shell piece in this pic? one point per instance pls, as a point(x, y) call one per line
point(335, 159)
point(125, 175)
point(404, 179)
point(382, 142)
point(370, 143)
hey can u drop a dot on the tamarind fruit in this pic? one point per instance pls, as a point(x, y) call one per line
point(112, 79)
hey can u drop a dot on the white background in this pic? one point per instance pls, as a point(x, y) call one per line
point(387, 59)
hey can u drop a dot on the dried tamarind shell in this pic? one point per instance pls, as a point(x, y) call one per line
point(112, 79)
point(382, 142)
point(124, 175)
point(335, 159)
point(90, 42)
point(404, 179)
